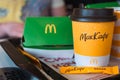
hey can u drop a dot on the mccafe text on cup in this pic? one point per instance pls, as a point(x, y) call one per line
point(92, 35)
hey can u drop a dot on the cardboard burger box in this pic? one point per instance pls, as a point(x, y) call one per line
point(48, 37)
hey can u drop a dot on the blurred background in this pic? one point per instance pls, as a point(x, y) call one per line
point(13, 13)
point(70, 4)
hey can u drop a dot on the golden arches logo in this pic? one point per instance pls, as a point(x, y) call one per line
point(93, 61)
point(50, 27)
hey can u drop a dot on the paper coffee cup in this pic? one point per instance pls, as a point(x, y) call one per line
point(115, 51)
point(92, 34)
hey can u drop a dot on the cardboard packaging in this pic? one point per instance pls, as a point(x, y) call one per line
point(48, 37)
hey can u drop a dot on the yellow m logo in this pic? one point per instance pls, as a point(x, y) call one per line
point(93, 61)
point(50, 27)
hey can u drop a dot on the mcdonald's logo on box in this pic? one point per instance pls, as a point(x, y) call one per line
point(50, 27)
point(42, 32)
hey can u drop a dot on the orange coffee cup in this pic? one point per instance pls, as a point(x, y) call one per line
point(115, 51)
point(92, 34)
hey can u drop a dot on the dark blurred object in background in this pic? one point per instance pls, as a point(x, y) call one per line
point(70, 4)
